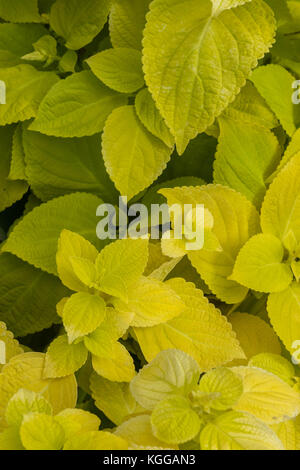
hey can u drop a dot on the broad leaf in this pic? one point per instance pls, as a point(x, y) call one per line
point(63, 359)
point(174, 421)
point(25, 292)
point(25, 89)
point(266, 396)
point(72, 246)
point(82, 314)
point(35, 238)
point(192, 90)
point(246, 156)
point(200, 331)
point(275, 85)
point(59, 115)
point(259, 265)
point(225, 384)
point(117, 367)
point(20, 11)
point(127, 21)
point(78, 21)
point(57, 166)
point(152, 302)
point(238, 431)
point(26, 371)
point(255, 336)
point(172, 372)
point(284, 313)
point(280, 212)
point(11, 191)
point(134, 158)
point(151, 118)
point(275, 364)
point(113, 398)
point(119, 69)
point(24, 402)
point(41, 432)
point(16, 40)
point(120, 265)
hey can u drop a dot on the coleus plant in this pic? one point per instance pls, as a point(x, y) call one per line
point(175, 101)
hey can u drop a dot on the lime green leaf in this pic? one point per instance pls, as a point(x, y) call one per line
point(82, 314)
point(16, 40)
point(254, 334)
point(250, 107)
point(173, 421)
point(17, 165)
point(259, 265)
point(84, 269)
point(68, 61)
point(77, 421)
point(119, 69)
point(101, 341)
point(238, 431)
point(20, 11)
point(24, 402)
point(289, 433)
point(246, 156)
point(292, 149)
point(35, 238)
point(78, 21)
point(172, 372)
point(221, 5)
point(12, 347)
point(151, 118)
point(152, 302)
point(120, 265)
point(274, 83)
point(25, 89)
point(63, 359)
point(224, 382)
point(71, 245)
point(284, 313)
point(127, 21)
point(266, 396)
point(281, 208)
point(201, 331)
point(235, 220)
point(113, 398)
point(10, 191)
point(96, 440)
point(60, 116)
point(134, 158)
point(50, 173)
point(191, 91)
point(26, 371)
point(10, 439)
point(117, 367)
point(137, 431)
point(41, 432)
point(275, 364)
point(25, 292)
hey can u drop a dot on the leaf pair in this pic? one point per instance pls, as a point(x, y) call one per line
point(32, 426)
point(268, 261)
point(181, 408)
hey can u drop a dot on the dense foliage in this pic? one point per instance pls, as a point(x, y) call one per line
point(142, 343)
